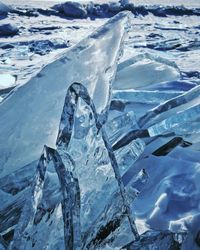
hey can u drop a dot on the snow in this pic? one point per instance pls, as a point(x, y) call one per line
point(6, 81)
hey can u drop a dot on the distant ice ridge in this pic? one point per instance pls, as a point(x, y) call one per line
point(73, 9)
point(38, 104)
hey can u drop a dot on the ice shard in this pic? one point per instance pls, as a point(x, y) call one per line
point(175, 121)
point(33, 111)
point(50, 211)
point(127, 155)
point(96, 165)
point(57, 209)
point(188, 98)
point(116, 127)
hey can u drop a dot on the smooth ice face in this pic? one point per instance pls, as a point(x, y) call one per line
point(33, 111)
point(143, 70)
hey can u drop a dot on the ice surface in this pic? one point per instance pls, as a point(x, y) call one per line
point(173, 197)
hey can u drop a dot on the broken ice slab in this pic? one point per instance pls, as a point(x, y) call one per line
point(144, 96)
point(167, 108)
point(4, 9)
point(169, 146)
point(8, 29)
point(19, 52)
point(92, 62)
point(187, 128)
point(143, 70)
point(176, 122)
point(158, 240)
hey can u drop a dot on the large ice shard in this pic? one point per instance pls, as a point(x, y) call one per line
point(96, 165)
point(33, 111)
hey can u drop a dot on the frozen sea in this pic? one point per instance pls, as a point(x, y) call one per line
point(153, 117)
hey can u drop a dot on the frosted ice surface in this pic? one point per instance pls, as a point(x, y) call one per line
point(170, 193)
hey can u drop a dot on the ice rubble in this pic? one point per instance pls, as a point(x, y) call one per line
point(104, 187)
